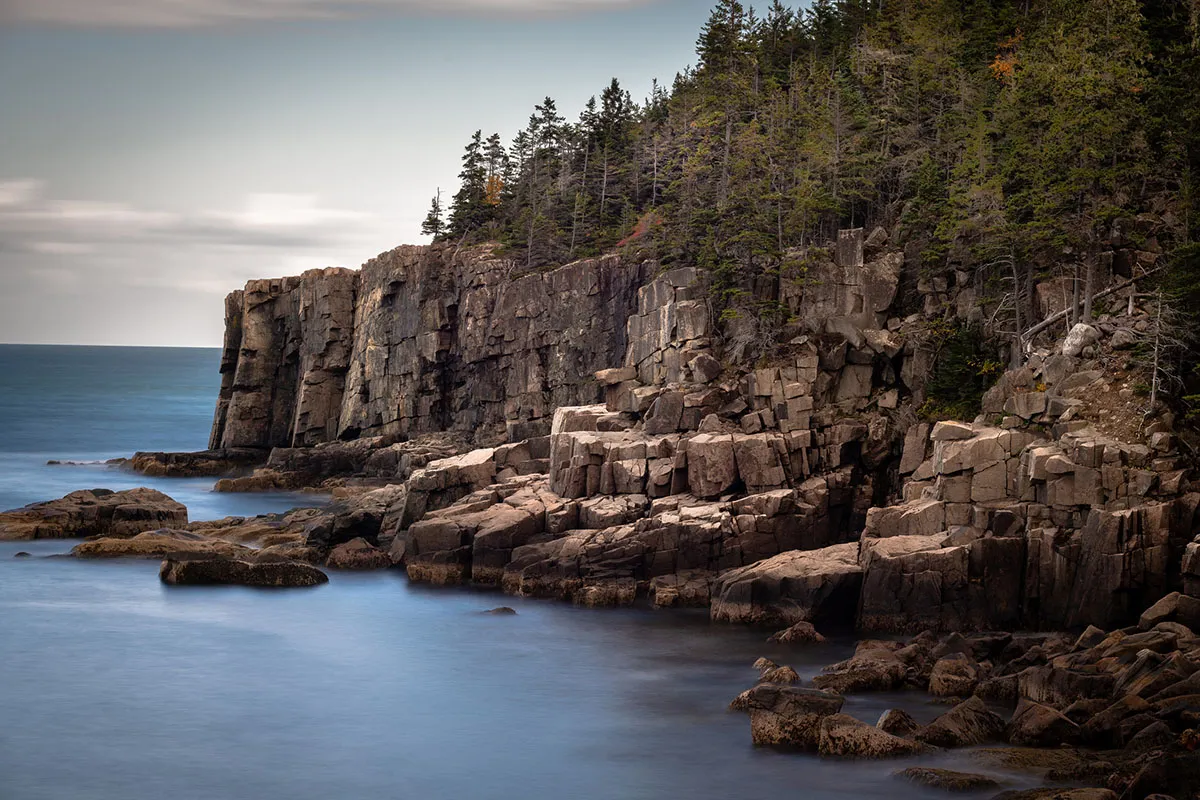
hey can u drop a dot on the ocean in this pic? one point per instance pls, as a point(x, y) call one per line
point(114, 687)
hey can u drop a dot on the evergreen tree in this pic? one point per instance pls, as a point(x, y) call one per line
point(434, 225)
point(469, 209)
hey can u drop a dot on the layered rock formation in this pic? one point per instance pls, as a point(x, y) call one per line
point(422, 339)
point(95, 512)
point(803, 489)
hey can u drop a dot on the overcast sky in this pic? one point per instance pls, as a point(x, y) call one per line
point(156, 154)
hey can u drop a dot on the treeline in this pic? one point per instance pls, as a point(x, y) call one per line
point(1001, 135)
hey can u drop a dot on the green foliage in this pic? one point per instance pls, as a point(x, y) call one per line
point(963, 370)
point(983, 129)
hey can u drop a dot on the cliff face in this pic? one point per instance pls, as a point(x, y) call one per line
point(422, 339)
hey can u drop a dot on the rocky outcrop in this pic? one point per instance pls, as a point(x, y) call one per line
point(160, 545)
point(95, 512)
point(286, 354)
point(202, 464)
point(237, 572)
point(422, 339)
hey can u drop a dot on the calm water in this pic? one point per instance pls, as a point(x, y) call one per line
point(113, 687)
point(90, 404)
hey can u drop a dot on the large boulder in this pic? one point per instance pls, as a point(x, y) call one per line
point(1037, 725)
point(358, 554)
point(843, 735)
point(786, 716)
point(968, 723)
point(1079, 337)
point(875, 666)
point(228, 571)
point(796, 586)
point(95, 512)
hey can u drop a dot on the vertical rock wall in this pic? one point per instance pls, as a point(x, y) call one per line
point(286, 353)
point(421, 339)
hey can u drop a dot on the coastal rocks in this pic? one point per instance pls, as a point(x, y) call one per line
point(948, 780)
point(286, 353)
point(96, 512)
point(843, 735)
point(357, 554)
point(968, 723)
point(1037, 725)
point(203, 464)
point(875, 666)
point(786, 716)
point(159, 545)
point(227, 571)
point(796, 586)
point(954, 676)
point(800, 633)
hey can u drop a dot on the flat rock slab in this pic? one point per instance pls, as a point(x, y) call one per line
point(94, 512)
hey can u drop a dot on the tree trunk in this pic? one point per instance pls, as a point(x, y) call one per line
point(1089, 289)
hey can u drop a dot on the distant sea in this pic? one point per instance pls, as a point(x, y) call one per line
point(114, 687)
point(91, 404)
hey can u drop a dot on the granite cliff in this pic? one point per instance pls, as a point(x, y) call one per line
point(421, 340)
point(623, 450)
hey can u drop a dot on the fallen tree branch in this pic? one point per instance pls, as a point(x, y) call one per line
point(1061, 315)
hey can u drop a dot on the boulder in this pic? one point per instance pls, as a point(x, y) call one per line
point(954, 676)
point(781, 675)
point(800, 633)
point(228, 571)
point(712, 469)
point(786, 715)
point(665, 414)
point(358, 554)
point(1037, 725)
point(1079, 337)
point(968, 723)
point(874, 667)
point(947, 780)
point(897, 722)
point(95, 512)
point(843, 735)
point(796, 586)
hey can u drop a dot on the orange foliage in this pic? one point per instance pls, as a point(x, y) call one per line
point(647, 221)
point(492, 190)
point(1004, 66)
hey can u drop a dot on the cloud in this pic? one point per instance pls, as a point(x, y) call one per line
point(32, 224)
point(200, 13)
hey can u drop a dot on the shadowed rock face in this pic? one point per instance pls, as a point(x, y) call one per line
point(227, 571)
point(422, 339)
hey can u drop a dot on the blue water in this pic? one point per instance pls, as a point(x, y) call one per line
point(91, 404)
point(115, 687)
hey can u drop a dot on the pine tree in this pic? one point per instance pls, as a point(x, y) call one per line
point(434, 225)
point(468, 209)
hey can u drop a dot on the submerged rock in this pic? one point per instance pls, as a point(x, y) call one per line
point(947, 779)
point(228, 571)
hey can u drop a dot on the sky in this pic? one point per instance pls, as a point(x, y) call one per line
point(157, 154)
